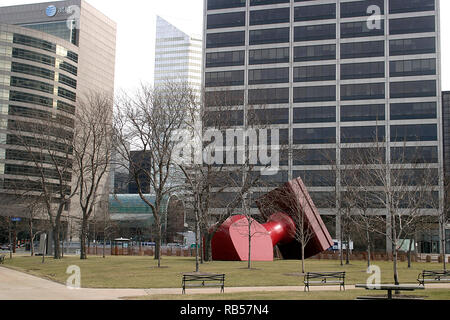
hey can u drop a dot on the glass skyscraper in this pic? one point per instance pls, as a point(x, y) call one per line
point(333, 77)
point(178, 56)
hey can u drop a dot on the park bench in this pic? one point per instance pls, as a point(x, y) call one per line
point(325, 278)
point(203, 280)
point(2, 258)
point(433, 277)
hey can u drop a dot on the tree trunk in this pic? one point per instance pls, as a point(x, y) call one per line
point(444, 247)
point(347, 251)
point(197, 245)
point(84, 227)
point(31, 237)
point(10, 238)
point(303, 259)
point(208, 249)
point(56, 240)
point(249, 265)
point(158, 244)
point(368, 247)
point(341, 251)
point(409, 254)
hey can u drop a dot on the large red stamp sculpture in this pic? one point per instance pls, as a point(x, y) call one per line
point(282, 208)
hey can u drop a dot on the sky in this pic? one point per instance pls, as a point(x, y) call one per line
point(136, 32)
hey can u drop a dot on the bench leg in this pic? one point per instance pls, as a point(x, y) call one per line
point(389, 294)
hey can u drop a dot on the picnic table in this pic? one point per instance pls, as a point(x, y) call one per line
point(389, 288)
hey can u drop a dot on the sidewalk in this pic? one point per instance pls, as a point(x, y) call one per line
point(16, 285)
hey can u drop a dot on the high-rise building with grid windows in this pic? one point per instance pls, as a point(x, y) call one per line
point(333, 76)
point(178, 56)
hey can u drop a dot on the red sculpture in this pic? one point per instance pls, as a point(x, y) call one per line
point(280, 208)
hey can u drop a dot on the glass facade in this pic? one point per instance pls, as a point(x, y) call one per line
point(446, 129)
point(38, 82)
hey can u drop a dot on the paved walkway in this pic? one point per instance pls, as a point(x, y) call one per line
point(16, 285)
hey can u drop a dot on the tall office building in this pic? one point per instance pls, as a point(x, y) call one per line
point(333, 76)
point(178, 56)
point(446, 130)
point(51, 54)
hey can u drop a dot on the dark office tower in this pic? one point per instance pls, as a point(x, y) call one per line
point(51, 54)
point(333, 76)
point(446, 130)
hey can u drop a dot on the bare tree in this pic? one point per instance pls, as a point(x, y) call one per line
point(148, 122)
point(92, 155)
point(405, 192)
point(48, 145)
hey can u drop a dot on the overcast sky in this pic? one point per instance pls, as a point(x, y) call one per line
point(136, 29)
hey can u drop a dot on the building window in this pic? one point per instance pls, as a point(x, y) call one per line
point(63, 93)
point(224, 78)
point(264, 76)
point(315, 73)
point(264, 2)
point(314, 114)
point(315, 32)
point(31, 84)
point(314, 157)
point(360, 29)
point(32, 70)
point(222, 4)
point(267, 56)
point(226, 98)
point(315, 53)
point(362, 70)
point(359, 8)
point(269, 16)
point(400, 6)
point(321, 12)
point(413, 110)
point(268, 116)
point(69, 68)
point(412, 46)
point(313, 94)
point(279, 35)
point(226, 20)
point(404, 155)
point(406, 133)
point(225, 39)
point(33, 56)
point(362, 49)
point(63, 79)
point(412, 25)
point(371, 112)
point(224, 118)
point(363, 91)
point(363, 134)
point(413, 89)
point(30, 98)
point(418, 67)
point(268, 96)
point(225, 59)
point(34, 42)
point(315, 136)
point(316, 178)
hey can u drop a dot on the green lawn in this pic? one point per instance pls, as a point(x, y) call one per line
point(141, 272)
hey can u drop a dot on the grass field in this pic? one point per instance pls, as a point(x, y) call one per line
point(141, 272)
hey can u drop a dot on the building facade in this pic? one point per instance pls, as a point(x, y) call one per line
point(446, 130)
point(178, 56)
point(333, 76)
point(51, 55)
